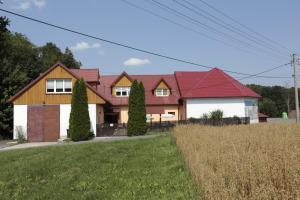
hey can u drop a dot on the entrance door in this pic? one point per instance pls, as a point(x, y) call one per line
point(35, 124)
point(43, 123)
point(51, 122)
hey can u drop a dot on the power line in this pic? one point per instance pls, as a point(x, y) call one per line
point(244, 26)
point(209, 28)
point(195, 87)
point(188, 28)
point(119, 44)
point(223, 24)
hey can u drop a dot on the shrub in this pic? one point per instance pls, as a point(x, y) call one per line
point(205, 116)
point(20, 134)
point(80, 127)
point(216, 116)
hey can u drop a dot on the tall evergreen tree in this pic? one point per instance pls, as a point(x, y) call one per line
point(137, 110)
point(142, 108)
point(133, 110)
point(79, 123)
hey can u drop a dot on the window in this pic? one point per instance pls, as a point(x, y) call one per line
point(59, 86)
point(122, 91)
point(171, 113)
point(161, 92)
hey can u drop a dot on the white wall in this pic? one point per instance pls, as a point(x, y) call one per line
point(93, 117)
point(20, 119)
point(65, 110)
point(230, 106)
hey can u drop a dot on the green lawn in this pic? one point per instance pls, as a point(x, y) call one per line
point(136, 169)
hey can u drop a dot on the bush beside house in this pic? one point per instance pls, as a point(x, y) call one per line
point(79, 123)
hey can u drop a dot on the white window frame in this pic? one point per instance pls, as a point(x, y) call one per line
point(121, 90)
point(162, 92)
point(54, 92)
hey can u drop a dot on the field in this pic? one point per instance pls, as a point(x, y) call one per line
point(243, 162)
point(137, 169)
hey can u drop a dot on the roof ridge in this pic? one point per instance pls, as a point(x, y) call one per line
point(232, 81)
point(201, 81)
point(85, 69)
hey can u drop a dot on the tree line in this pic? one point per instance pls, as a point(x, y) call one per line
point(275, 99)
point(21, 61)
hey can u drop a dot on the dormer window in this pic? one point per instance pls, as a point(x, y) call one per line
point(161, 92)
point(122, 91)
point(58, 86)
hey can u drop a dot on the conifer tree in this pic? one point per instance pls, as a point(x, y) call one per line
point(142, 109)
point(133, 110)
point(79, 123)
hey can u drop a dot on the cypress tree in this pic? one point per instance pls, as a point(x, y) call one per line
point(79, 123)
point(142, 109)
point(133, 110)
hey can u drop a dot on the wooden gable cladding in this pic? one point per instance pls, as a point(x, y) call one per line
point(162, 85)
point(36, 94)
point(124, 81)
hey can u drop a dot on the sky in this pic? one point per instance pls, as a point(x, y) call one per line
point(118, 21)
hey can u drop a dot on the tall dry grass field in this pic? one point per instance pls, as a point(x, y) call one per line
point(243, 162)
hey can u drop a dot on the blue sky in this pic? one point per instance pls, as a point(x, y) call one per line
point(117, 21)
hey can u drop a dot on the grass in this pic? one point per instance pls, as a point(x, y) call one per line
point(137, 169)
point(243, 162)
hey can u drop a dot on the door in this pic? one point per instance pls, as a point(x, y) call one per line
point(35, 123)
point(51, 123)
point(43, 123)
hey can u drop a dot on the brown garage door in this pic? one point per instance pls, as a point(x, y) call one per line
point(43, 123)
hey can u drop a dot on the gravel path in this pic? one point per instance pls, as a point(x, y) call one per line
point(97, 139)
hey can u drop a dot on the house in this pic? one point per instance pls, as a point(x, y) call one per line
point(203, 92)
point(42, 108)
point(161, 92)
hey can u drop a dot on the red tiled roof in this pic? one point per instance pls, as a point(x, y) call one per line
point(149, 82)
point(211, 84)
point(89, 75)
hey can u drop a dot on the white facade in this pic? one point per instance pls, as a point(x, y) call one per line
point(65, 110)
point(20, 120)
point(241, 107)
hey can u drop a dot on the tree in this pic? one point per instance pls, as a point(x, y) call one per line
point(79, 123)
point(142, 108)
point(67, 58)
point(133, 110)
point(137, 110)
point(268, 107)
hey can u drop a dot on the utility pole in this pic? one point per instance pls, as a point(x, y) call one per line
point(295, 61)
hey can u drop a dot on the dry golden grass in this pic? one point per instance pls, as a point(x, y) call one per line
point(243, 162)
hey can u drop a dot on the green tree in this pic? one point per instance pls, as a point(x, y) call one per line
point(142, 108)
point(79, 123)
point(136, 110)
point(133, 112)
point(268, 107)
